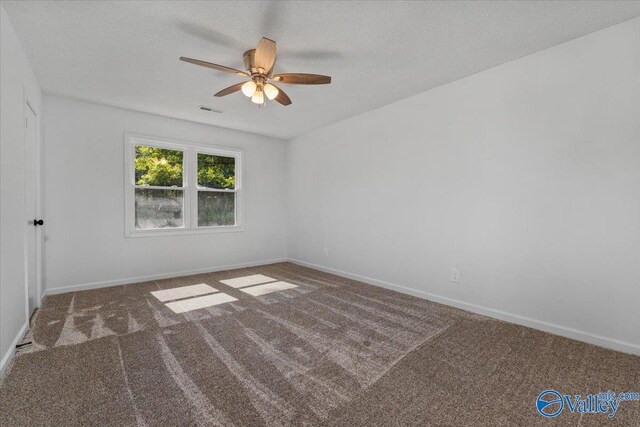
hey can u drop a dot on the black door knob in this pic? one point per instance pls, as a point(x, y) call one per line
point(38, 222)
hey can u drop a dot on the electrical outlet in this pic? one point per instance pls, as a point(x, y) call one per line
point(455, 275)
point(325, 252)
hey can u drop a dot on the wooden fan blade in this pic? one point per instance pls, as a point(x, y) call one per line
point(302, 79)
point(231, 89)
point(265, 54)
point(282, 97)
point(214, 66)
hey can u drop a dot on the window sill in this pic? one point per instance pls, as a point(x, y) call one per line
point(183, 232)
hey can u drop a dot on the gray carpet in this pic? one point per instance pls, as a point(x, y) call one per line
point(318, 350)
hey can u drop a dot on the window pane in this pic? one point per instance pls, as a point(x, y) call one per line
point(158, 166)
point(158, 209)
point(216, 171)
point(216, 208)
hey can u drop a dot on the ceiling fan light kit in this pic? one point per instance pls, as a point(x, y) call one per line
point(259, 64)
point(270, 91)
point(258, 96)
point(249, 88)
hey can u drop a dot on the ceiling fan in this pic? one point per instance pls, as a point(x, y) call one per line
point(259, 65)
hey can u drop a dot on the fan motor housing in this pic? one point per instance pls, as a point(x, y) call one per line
point(249, 57)
point(249, 64)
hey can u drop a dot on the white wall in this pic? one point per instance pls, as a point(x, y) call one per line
point(17, 83)
point(526, 177)
point(84, 227)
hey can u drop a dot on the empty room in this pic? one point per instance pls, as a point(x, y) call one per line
point(320, 213)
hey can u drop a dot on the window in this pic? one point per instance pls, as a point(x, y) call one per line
point(159, 190)
point(216, 190)
point(180, 188)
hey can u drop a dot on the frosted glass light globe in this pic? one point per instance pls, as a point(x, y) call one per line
point(271, 91)
point(249, 88)
point(258, 97)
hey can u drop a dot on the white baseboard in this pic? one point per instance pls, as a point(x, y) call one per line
point(8, 356)
point(107, 283)
point(598, 340)
point(551, 328)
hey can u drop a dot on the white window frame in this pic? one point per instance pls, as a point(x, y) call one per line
point(189, 186)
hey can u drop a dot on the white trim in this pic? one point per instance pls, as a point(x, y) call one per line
point(571, 333)
point(237, 190)
point(8, 356)
point(25, 232)
point(157, 187)
point(107, 283)
point(129, 183)
point(614, 344)
point(38, 208)
point(189, 187)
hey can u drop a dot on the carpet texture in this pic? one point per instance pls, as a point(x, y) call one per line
point(288, 345)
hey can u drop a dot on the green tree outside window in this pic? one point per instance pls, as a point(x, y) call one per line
point(158, 166)
point(216, 171)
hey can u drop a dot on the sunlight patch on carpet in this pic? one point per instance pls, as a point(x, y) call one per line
point(183, 292)
point(241, 282)
point(268, 288)
point(191, 304)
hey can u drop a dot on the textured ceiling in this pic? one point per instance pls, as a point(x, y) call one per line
point(126, 53)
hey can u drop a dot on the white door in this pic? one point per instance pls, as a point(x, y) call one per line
point(31, 153)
